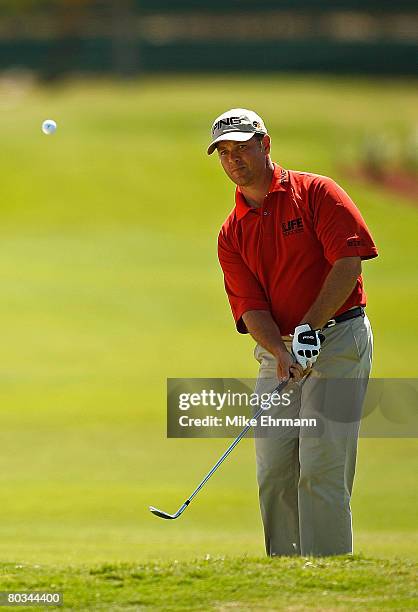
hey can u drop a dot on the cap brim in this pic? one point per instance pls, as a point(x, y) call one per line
point(238, 136)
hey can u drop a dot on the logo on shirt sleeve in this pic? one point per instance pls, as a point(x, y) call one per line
point(293, 226)
point(355, 241)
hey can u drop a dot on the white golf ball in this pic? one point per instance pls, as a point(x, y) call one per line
point(49, 126)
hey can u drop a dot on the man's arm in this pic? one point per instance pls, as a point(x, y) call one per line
point(337, 287)
point(266, 332)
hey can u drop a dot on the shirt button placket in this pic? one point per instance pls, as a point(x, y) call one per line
point(267, 224)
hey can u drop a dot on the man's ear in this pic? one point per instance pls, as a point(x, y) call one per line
point(266, 142)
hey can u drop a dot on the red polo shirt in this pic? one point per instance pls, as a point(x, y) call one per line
point(277, 257)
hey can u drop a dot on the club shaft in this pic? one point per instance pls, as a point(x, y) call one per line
point(232, 446)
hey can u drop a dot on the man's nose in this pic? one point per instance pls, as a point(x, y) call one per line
point(235, 157)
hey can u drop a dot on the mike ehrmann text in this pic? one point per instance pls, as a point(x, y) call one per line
point(266, 420)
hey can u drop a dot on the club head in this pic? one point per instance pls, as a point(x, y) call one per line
point(161, 514)
point(165, 515)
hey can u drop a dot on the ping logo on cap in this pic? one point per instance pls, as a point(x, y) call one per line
point(236, 124)
point(227, 121)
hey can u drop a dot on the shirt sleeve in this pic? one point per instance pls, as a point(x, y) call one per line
point(243, 289)
point(339, 224)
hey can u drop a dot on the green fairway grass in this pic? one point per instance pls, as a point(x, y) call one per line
point(110, 284)
point(225, 584)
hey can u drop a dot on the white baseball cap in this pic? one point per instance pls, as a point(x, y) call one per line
point(236, 124)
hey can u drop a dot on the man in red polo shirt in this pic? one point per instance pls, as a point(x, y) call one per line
point(291, 252)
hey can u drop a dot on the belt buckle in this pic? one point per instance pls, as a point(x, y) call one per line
point(331, 323)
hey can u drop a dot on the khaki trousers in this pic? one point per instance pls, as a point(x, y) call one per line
point(305, 480)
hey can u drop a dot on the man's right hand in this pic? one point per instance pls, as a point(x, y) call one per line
point(265, 331)
point(287, 367)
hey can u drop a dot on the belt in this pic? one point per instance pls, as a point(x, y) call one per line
point(353, 313)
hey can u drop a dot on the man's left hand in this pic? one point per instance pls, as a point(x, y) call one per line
point(306, 345)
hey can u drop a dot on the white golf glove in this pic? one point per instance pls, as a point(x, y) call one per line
point(306, 345)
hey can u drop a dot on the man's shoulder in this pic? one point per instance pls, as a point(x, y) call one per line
point(309, 178)
point(312, 187)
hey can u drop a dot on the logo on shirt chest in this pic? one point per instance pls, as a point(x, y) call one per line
point(293, 226)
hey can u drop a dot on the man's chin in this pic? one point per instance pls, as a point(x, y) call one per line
point(240, 179)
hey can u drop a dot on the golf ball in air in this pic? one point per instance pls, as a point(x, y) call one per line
point(49, 126)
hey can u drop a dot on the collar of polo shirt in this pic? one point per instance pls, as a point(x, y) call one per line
point(279, 182)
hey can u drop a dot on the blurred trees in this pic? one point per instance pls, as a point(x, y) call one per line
point(55, 37)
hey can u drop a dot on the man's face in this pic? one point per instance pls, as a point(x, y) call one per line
point(244, 162)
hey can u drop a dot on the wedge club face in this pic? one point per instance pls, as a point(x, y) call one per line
point(166, 515)
point(161, 514)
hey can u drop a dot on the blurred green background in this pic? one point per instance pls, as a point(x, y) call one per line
point(110, 284)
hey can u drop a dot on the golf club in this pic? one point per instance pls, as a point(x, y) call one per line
point(166, 515)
